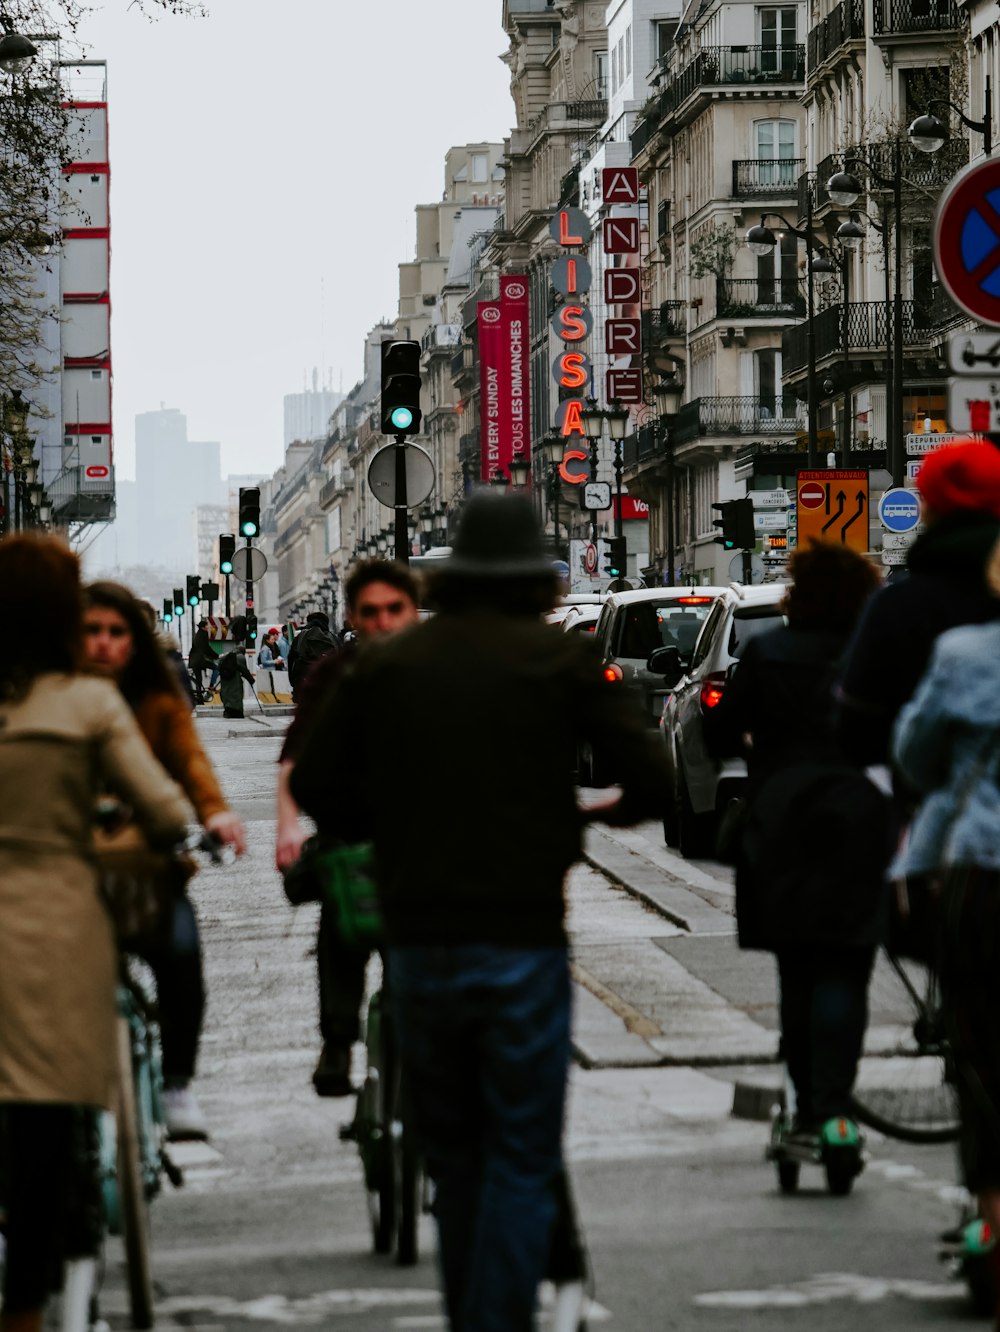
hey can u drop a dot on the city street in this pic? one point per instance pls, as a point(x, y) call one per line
point(685, 1226)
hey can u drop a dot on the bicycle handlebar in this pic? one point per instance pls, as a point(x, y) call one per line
point(219, 852)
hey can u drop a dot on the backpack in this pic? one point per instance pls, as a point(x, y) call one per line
point(313, 642)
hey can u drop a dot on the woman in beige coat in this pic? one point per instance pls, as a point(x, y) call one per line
point(63, 736)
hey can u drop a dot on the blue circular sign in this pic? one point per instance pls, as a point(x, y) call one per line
point(899, 510)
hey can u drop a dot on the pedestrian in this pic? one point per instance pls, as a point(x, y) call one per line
point(280, 658)
point(266, 659)
point(313, 642)
point(284, 644)
point(201, 658)
point(233, 670)
point(947, 748)
point(822, 916)
point(960, 510)
point(382, 598)
point(60, 731)
point(468, 723)
point(120, 648)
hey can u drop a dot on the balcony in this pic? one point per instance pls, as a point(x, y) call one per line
point(440, 336)
point(902, 17)
point(645, 444)
point(867, 328)
point(843, 24)
point(663, 323)
point(759, 298)
point(763, 415)
point(921, 171)
point(766, 177)
point(719, 65)
point(336, 487)
point(562, 117)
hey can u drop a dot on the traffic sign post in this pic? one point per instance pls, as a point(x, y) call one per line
point(832, 505)
point(967, 242)
point(974, 404)
point(899, 510)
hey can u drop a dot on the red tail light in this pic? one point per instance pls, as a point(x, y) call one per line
point(712, 689)
point(694, 601)
point(613, 673)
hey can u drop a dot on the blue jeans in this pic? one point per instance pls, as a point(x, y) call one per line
point(484, 1036)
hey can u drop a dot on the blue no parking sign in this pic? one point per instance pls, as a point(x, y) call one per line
point(899, 510)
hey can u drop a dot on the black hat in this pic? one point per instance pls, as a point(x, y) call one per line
point(318, 617)
point(498, 537)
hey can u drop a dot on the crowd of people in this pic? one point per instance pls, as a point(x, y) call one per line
point(858, 675)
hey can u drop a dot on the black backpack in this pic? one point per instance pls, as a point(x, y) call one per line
point(229, 666)
point(312, 643)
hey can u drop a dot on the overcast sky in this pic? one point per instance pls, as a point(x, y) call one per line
point(265, 162)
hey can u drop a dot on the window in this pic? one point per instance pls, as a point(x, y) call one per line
point(479, 165)
point(628, 49)
point(775, 151)
point(664, 37)
point(777, 38)
point(777, 273)
point(601, 73)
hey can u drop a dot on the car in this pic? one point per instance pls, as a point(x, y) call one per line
point(701, 786)
point(581, 620)
point(565, 605)
point(631, 625)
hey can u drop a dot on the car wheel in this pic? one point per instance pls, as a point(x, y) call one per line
point(693, 830)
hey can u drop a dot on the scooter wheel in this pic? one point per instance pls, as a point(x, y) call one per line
point(788, 1176)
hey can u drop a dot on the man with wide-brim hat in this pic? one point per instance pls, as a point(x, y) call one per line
point(451, 747)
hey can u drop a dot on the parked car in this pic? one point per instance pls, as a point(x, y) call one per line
point(631, 625)
point(702, 785)
point(581, 620)
point(565, 604)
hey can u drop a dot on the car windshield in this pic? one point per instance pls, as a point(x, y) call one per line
point(750, 623)
point(649, 625)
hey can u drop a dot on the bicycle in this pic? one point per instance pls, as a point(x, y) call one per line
point(129, 1146)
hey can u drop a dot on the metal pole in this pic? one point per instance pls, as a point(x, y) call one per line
point(988, 117)
point(229, 608)
point(897, 458)
point(846, 432)
point(555, 507)
point(593, 477)
point(811, 408)
point(671, 508)
point(619, 462)
point(402, 545)
point(889, 394)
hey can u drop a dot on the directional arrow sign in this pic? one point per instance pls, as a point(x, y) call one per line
point(833, 506)
point(974, 353)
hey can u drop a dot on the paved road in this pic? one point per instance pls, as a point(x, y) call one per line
point(685, 1226)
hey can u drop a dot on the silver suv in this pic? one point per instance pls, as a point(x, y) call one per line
point(633, 624)
point(702, 785)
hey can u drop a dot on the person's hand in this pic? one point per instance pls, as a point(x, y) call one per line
point(289, 844)
point(228, 828)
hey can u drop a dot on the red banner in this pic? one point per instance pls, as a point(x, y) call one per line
point(514, 334)
point(491, 425)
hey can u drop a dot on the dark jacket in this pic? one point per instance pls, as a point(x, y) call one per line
point(892, 643)
point(231, 681)
point(816, 836)
point(307, 647)
point(316, 684)
point(201, 657)
point(451, 746)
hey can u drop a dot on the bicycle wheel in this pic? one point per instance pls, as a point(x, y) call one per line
point(912, 1095)
point(382, 1195)
point(408, 1177)
point(131, 1189)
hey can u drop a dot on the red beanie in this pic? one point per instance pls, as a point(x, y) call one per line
point(961, 476)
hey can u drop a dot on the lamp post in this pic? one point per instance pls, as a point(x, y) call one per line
point(850, 234)
point(555, 449)
point(668, 395)
point(761, 240)
point(928, 133)
point(519, 467)
point(617, 418)
point(593, 426)
point(844, 189)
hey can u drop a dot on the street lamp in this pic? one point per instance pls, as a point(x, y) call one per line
point(499, 481)
point(381, 543)
point(16, 52)
point(761, 240)
point(617, 418)
point(844, 189)
point(668, 394)
point(928, 133)
point(555, 450)
point(519, 467)
point(592, 419)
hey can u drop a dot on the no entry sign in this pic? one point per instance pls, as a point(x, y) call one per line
point(967, 241)
point(811, 495)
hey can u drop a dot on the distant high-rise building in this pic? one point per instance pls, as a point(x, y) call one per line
point(307, 414)
point(173, 476)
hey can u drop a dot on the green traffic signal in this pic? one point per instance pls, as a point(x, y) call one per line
point(401, 418)
point(227, 549)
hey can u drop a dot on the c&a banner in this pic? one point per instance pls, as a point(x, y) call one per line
point(514, 334)
point(491, 423)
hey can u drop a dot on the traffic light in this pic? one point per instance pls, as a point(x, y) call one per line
point(168, 611)
point(400, 388)
point(736, 522)
point(249, 511)
point(178, 602)
point(193, 589)
point(227, 549)
point(614, 559)
point(251, 629)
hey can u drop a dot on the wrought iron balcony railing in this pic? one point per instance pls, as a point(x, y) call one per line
point(664, 322)
point(765, 177)
point(843, 24)
point(779, 414)
point(756, 298)
point(867, 328)
point(906, 16)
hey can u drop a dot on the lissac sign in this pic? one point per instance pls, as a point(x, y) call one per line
point(573, 322)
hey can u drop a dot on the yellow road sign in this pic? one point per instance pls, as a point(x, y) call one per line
point(832, 505)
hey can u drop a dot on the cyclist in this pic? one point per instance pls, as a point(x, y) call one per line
point(381, 599)
point(59, 730)
point(120, 647)
point(467, 724)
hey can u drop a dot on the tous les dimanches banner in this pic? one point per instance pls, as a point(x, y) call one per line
point(504, 392)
